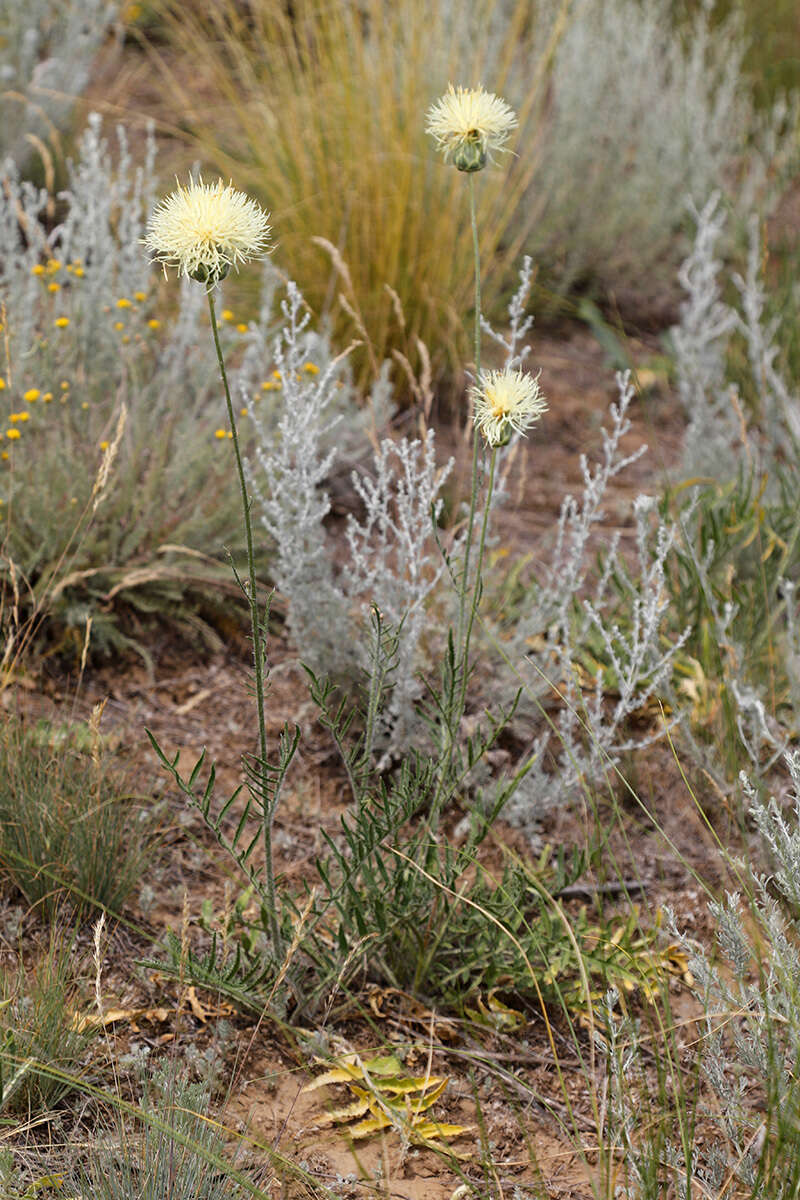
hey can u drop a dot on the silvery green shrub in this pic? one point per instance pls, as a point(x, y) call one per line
point(46, 52)
point(640, 113)
point(723, 435)
point(739, 1125)
point(392, 559)
point(751, 1000)
point(86, 332)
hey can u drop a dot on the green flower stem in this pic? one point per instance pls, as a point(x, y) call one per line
point(477, 257)
point(258, 654)
point(465, 621)
point(476, 591)
point(473, 494)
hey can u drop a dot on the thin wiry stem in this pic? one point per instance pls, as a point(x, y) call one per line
point(258, 654)
point(465, 620)
point(473, 496)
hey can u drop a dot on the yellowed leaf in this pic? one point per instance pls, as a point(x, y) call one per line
point(110, 1016)
point(356, 1109)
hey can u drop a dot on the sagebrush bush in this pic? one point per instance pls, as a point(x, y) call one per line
point(641, 113)
point(87, 339)
point(732, 577)
point(750, 1035)
point(46, 54)
point(392, 559)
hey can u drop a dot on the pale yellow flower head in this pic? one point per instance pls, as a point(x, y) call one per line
point(204, 229)
point(467, 124)
point(504, 402)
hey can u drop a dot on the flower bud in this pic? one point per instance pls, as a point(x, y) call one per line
point(210, 275)
point(470, 154)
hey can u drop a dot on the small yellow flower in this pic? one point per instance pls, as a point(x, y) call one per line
point(219, 434)
point(205, 229)
point(467, 124)
point(119, 324)
point(23, 416)
point(104, 445)
point(241, 327)
point(126, 340)
point(79, 271)
point(64, 385)
point(54, 287)
point(31, 394)
point(277, 375)
point(154, 324)
point(47, 397)
point(268, 385)
point(12, 434)
point(2, 384)
point(123, 303)
point(38, 269)
point(4, 456)
point(311, 368)
point(85, 405)
point(140, 296)
point(243, 412)
point(13, 417)
point(53, 265)
point(227, 314)
point(62, 322)
point(504, 402)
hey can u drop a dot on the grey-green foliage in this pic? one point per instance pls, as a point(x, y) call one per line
point(614, 616)
point(741, 438)
point(46, 53)
point(751, 1000)
point(178, 1151)
point(127, 343)
point(721, 438)
point(393, 561)
point(639, 114)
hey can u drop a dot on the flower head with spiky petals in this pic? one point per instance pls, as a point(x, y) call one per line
point(504, 402)
point(204, 229)
point(467, 124)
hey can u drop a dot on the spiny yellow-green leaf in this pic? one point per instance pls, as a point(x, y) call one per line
point(356, 1109)
point(388, 1065)
point(337, 1075)
point(402, 1087)
point(434, 1130)
point(369, 1126)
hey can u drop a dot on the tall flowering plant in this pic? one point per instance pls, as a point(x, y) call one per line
point(201, 231)
point(468, 125)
